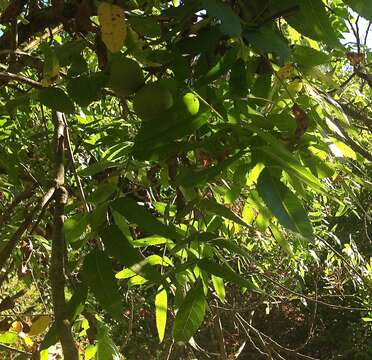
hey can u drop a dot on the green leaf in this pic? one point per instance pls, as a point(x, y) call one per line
point(161, 306)
point(8, 337)
point(282, 241)
point(139, 215)
point(97, 272)
point(151, 241)
point(85, 89)
point(239, 79)
point(222, 66)
point(191, 178)
point(97, 168)
point(313, 21)
point(190, 314)
point(225, 272)
point(230, 22)
point(120, 248)
point(90, 352)
point(106, 348)
point(75, 226)
point(102, 193)
point(267, 39)
point(219, 287)
point(214, 207)
point(308, 57)
point(147, 26)
point(283, 204)
point(362, 7)
point(56, 99)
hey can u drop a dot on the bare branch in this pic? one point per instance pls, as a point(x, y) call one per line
point(4, 75)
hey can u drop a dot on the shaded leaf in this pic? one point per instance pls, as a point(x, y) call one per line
point(283, 204)
point(121, 249)
point(56, 99)
point(97, 272)
point(225, 273)
point(230, 22)
point(214, 207)
point(139, 215)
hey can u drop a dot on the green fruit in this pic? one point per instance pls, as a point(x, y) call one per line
point(152, 100)
point(191, 103)
point(126, 76)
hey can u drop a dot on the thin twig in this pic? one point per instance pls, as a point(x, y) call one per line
point(11, 349)
point(76, 175)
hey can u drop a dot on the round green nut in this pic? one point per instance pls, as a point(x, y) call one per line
point(126, 76)
point(191, 103)
point(152, 100)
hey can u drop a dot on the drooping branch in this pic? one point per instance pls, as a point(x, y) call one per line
point(57, 266)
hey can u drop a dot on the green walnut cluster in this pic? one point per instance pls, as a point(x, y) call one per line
point(150, 100)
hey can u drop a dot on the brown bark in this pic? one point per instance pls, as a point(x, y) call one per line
point(57, 266)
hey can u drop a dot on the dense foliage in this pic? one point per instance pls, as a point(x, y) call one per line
point(185, 179)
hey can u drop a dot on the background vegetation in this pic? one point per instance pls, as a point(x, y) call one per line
point(185, 179)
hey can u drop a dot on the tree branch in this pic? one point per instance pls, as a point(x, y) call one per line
point(4, 75)
point(57, 266)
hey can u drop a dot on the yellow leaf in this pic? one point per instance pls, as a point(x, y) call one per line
point(285, 72)
point(113, 27)
point(295, 87)
point(39, 325)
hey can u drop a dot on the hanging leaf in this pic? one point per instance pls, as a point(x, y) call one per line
point(267, 39)
point(313, 21)
point(75, 226)
point(190, 314)
point(230, 22)
point(39, 325)
point(283, 204)
point(161, 306)
point(308, 57)
point(120, 248)
point(225, 273)
point(56, 99)
point(106, 348)
point(139, 215)
point(113, 27)
point(97, 272)
point(239, 79)
point(214, 207)
point(362, 7)
point(85, 88)
point(222, 66)
point(189, 178)
point(219, 287)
